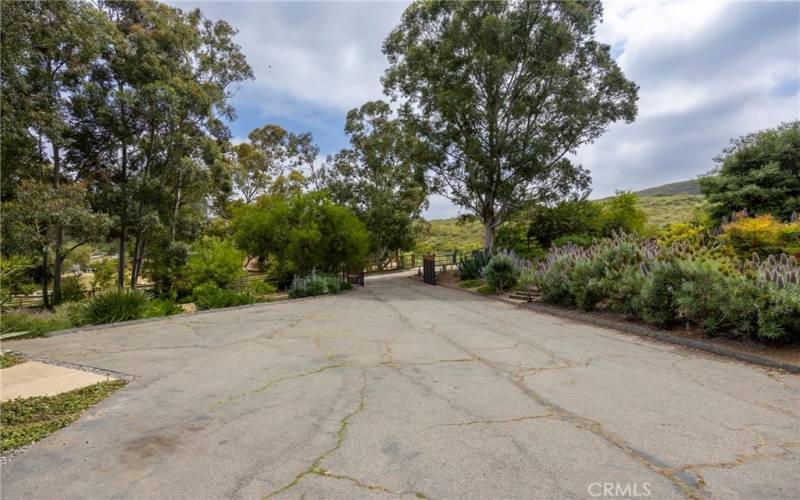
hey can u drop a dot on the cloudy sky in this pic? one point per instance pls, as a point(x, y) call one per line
point(708, 71)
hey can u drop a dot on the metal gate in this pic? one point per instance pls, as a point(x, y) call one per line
point(429, 269)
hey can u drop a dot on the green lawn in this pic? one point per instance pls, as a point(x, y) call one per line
point(27, 420)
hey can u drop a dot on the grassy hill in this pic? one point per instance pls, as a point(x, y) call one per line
point(446, 235)
point(684, 187)
point(666, 209)
point(675, 202)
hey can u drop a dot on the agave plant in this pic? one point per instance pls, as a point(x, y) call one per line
point(471, 268)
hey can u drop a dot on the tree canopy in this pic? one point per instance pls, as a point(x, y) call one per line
point(759, 172)
point(379, 177)
point(300, 233)
point(269, 159)
point(502, 93)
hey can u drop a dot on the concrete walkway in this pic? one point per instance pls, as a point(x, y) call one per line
point(32, 378)
point(403, 389)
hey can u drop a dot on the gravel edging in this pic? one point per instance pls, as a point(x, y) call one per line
point(74, 366)
point(640, 330)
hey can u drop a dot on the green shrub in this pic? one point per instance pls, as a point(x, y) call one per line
point(118, 304)
point(166, 267)
point(161, 307)
point(779, 313)
point(553, 279)
point(301, 233)
point(71, 289)
point(486, 290)
point(703, 294)
point(210, 296)
point(687, 281)
point(471, 268)
point(585, 286)
point(315, 284)
point(763, 235)
point(580, 240)
point(501, 273)
point(549, 224)
point(527, 280)
point(656, 301)
point(622, 213)
point(214, 261)
point(516, 236)
point(611, 273)
point(36, 323)
point(15, 276)
point(680, 231)
point(260, 288)
point(104, 272)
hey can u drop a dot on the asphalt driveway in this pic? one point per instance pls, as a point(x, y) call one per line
point(403, 389)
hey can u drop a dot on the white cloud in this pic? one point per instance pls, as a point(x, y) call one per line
point(708, 71)
point(326, 54)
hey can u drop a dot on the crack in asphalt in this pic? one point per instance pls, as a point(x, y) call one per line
point(683, 484)
point(340, 436)
point(495, 422)
point(361, 484)
point(270, 384)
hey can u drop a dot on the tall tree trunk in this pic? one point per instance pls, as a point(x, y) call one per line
point(45, 275)
point(58, 257)
point(138, 258)
point(177, 205)
point(123, 219)
point(488, 235)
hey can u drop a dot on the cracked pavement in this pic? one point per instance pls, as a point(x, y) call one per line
point(400, 389)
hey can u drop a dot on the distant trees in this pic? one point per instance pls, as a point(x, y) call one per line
point(380, 177)
point(620, 213)
point(501, 92)
point(759, 172)
point(270, 156)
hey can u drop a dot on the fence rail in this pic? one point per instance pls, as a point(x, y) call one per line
point(35, 300)
point(399, 261)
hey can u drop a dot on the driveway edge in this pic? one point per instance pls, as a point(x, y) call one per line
point(119, 324)
point(641, 330)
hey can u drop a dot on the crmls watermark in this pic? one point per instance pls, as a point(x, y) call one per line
point(626, 490)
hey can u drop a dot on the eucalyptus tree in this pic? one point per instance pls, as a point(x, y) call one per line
point(502, 92)
point(379, 177)
point(147, 123)
point(269, 156)
point(50, 46)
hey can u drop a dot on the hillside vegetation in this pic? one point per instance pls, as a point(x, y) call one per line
point(662, 210)
point(445, 235)
point(691, 186)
